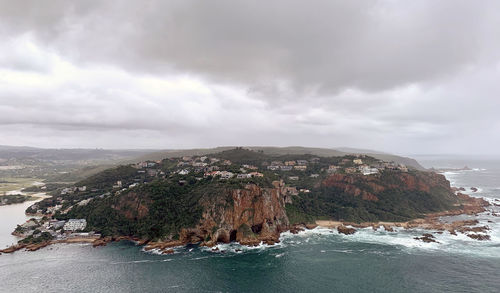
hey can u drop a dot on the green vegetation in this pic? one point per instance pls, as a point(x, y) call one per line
point(155, 201)
point(37, 237)
point(15, 198)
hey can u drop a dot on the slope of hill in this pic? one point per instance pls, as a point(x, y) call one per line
point(246, 196)
point(292, 150)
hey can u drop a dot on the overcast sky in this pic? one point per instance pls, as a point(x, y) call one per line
point(399, 76)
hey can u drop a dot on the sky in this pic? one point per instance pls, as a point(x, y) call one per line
point(407, 77)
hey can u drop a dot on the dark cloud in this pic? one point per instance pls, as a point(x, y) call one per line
point(325, 45)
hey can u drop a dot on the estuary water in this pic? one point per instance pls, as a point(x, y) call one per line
point(318, 260)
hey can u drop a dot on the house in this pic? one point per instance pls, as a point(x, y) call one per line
point(251, 167)
point(57, 224)
point(226, 175)
point(350, 170)
point(286, 168)
point(183, 172)
point(314, 175)
point(84, 202)
point(357, 161)
point(277, 163)
point(203, 158)
point(294, 178)
point(118, 184)
point(67, 190)
point(366, 170)
point(300, 167)
point(290, 163)
point(302, 162)
point(304, 190)
point(332, 169)
point(273, 167)
point(243, 176)
point(133, 185)
point(256, 174)
point(75, 224)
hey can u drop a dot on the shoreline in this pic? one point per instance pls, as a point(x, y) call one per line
point(431, 222)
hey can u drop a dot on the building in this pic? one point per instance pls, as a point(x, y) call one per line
point(294, 178)
point(226, 175)
point(332, 169)
point(290, 163)
point(273, 167)
point(243, 176)
point(57, 224)
point(251, 167)
point(75, 224)
point(183, 172)
point(302, 162)
point(286, 168)
point(366, 170)
point(314, 175)
point(357, 161)
point(256, 174)
point(300, 167)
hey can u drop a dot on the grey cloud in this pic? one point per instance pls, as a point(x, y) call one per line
point(417, 76)
point(319, 45)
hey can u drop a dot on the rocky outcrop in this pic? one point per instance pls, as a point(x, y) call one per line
point(428, 238)
point(346, 230)
point(248, 215)
point(367, 187)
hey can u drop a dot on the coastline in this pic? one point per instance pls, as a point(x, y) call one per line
point(431, 222)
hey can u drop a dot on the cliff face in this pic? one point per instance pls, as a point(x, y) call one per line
point(248, 216)
point(367, 187)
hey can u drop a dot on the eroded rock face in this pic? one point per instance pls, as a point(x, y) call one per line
point(423, 181)
point(248, 215)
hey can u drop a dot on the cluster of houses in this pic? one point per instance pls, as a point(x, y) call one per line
point(71, 190)
point(300, 165)
point(365, 169)
point(58, 229)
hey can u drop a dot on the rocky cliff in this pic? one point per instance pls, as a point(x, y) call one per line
point(248, 215)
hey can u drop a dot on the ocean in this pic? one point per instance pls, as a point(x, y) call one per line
point(318, 260)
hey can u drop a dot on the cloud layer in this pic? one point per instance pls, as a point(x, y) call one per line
point(406, 77)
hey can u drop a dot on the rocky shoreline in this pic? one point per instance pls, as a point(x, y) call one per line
point(432, 222)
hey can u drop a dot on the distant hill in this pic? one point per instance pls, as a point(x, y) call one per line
point(21, 153)
point(292, 150)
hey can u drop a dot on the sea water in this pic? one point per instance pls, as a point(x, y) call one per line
point(318, 260)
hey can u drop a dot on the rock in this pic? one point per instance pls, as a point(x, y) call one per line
point(474, 189)
point(388, 228)
point(345, 230)
point(296, 229)
point(428, 238)
point(479, 229)
point(461, 189)
point(168, 251)
point(311, 226)
point(479, 237)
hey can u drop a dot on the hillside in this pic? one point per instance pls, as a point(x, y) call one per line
point(277, 151)
point(245, 195)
